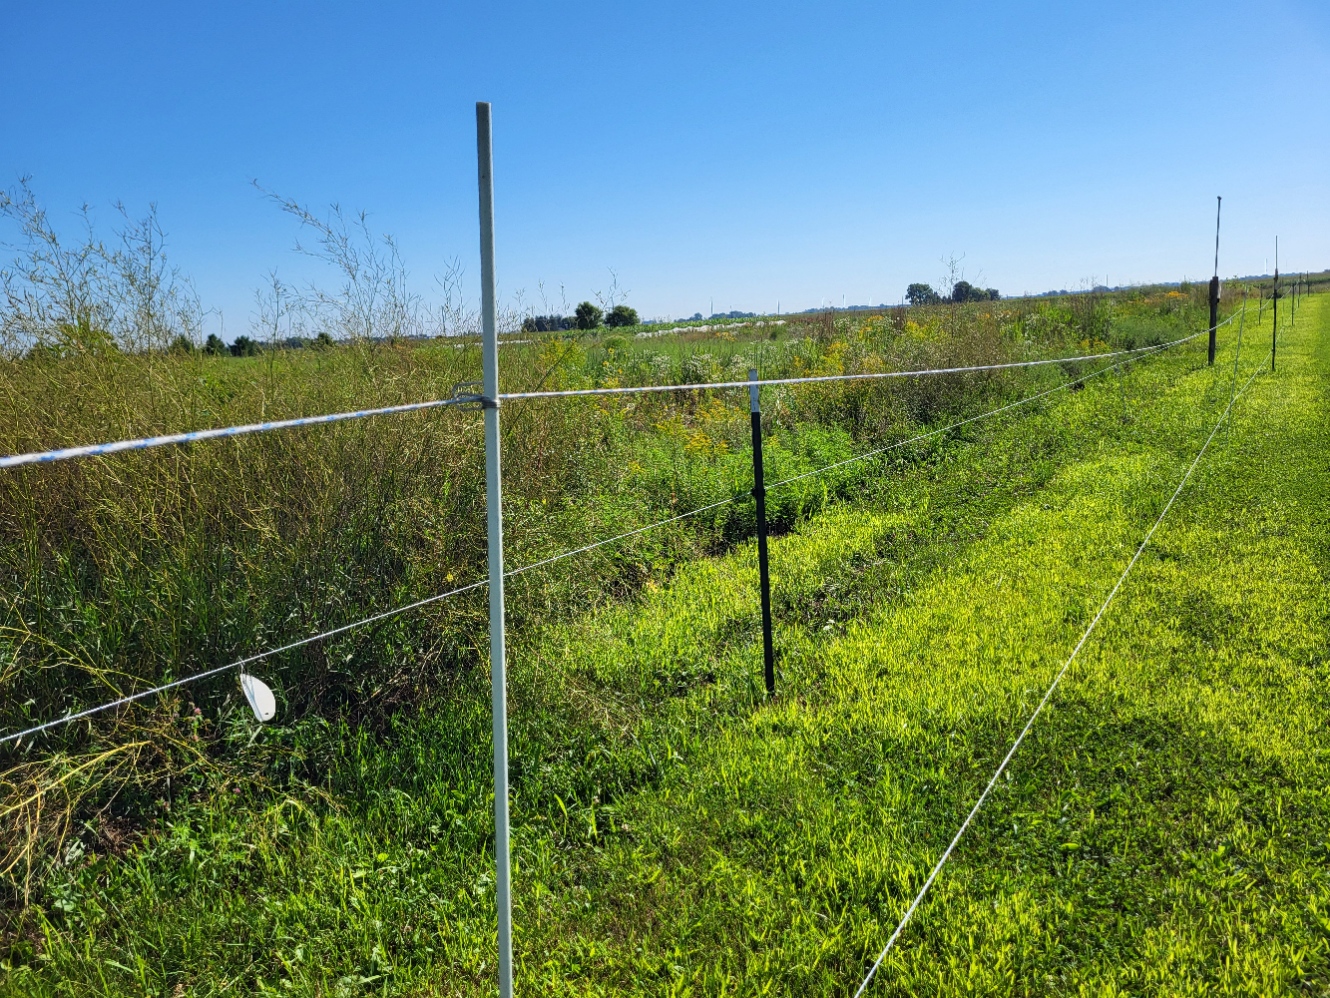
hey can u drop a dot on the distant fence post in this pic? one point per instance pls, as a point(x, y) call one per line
point(489, 352)
point(1274, 304)
point(763, 568)
point(1274, 326)
point(1214, 286)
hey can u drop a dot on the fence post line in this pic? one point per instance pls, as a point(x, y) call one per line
point(763, 566)
point(494, 516)
point(1214, 285)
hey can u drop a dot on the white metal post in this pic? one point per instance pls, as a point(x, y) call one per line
point(494, 510)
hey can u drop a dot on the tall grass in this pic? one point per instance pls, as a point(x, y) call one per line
point(122, 572)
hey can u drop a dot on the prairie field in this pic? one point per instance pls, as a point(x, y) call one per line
point(1163, 829)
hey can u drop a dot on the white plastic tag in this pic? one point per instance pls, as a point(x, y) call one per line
point(260, 698)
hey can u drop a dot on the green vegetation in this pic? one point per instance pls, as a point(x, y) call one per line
point(588, 315)
point(1164, 828)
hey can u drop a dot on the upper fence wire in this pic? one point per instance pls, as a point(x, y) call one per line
point(145, 443)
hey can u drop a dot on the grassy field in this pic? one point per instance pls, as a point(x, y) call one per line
point(1164, 829)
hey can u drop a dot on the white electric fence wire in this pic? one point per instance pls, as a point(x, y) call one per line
point(97, 450)
point(972, 419)
point(239, 663)
point(143, 443)
point(866, 376)
point(258, 656)
point(1002, 766)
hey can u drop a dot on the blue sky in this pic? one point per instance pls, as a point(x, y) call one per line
point(747, 155)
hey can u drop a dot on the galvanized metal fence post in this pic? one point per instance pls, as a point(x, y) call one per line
point(494, 510)
point(763, 568)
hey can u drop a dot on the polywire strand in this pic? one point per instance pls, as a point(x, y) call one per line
point(97, 450)
point(259, 656)
point(937, 868)
point(239, 663)
point(143, 443)
point(971, 419)
point(866, 376)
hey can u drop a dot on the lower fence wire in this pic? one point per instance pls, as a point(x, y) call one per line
point(375, 618)
point(1002, 766)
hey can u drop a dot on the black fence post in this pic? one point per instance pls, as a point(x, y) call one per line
point(1214, 286)
point(763, 568)
point(1274, 326)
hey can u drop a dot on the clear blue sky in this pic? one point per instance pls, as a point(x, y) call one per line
point(742, 154)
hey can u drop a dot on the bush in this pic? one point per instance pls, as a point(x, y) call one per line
point(322, 342)
point(588, 316)
point(622, 315)
point(244, 347)
point(181, 344)
point(214, 346)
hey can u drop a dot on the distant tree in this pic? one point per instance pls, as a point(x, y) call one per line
point(922, 294)
point(588, 316)
point(546, 323)
point(993, 294)
point(244, 347)
point(214, 346)
point(322, 342)
point(181, 344)
point(964, 291)
point(621, 315)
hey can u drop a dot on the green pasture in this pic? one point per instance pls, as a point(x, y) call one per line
point(1165, 829)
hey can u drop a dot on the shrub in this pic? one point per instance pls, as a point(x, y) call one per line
point(622, 315)
point(244, 347)
point(322, 342)
point(181, 344)
point(214, 346)
point(588, 316)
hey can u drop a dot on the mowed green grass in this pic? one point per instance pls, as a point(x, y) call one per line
point(1164, 828)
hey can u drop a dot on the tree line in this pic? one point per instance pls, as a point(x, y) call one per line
point(585, 316)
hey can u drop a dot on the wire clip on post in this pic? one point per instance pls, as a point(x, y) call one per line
point(763, 566)
point(470, 394)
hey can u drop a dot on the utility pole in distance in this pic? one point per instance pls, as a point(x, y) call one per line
point(1214, 284)
point(489, 352)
